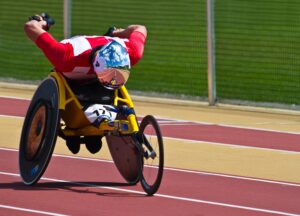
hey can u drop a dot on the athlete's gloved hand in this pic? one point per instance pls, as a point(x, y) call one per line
point(110, 31)
point(44, 16)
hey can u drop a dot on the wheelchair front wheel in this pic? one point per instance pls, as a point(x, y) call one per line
point(152, 151)
point(39, 132)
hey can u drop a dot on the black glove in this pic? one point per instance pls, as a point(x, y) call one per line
point(110, 31)
point(45, 16)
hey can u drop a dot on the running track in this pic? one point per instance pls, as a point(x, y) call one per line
point(83, 186)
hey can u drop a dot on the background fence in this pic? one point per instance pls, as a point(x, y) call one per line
point(258, 50)
point(257, 44)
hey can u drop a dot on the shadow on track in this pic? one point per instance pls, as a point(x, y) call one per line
point(78, 187)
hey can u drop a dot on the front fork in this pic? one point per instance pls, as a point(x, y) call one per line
point(144, 145)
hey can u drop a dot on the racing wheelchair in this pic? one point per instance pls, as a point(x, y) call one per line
point(56, 110)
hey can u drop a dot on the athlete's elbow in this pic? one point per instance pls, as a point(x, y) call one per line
point(139, 54)
point(143, 30)
point(140, 28)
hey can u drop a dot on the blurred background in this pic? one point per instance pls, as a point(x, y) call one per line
point(257, 46)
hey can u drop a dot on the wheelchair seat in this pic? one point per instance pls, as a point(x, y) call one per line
point(75, 95)
point(91, 92)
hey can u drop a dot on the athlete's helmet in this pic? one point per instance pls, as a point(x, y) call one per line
point(112, 64)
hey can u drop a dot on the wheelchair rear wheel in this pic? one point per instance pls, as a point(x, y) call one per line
point(39, 132)
point(151, 142)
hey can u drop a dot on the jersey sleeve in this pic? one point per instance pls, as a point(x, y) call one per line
point(137, 41)
point(57, 53)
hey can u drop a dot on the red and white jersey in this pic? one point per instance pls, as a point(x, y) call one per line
point(71, 56)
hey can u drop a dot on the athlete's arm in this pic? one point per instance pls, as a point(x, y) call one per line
point(125, 33)
point(57, 53)
point(34, 28)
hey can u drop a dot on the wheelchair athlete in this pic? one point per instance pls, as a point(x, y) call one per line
point(83, 59)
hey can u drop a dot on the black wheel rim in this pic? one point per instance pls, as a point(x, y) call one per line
point(39, 132)
point(153, 155)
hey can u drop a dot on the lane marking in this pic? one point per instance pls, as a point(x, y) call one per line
point(175, 124)
point(30, 210)
point(231, 126)
point(12, 97)
point(194, 122)
point(11, 116)
point(237, 177)
point(179, 170)
point(166, 196)
point(233, 145)
point(204, 141)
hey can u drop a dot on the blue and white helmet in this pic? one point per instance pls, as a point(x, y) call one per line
point(112, 64)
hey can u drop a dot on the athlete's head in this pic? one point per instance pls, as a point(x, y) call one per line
point(111, 64)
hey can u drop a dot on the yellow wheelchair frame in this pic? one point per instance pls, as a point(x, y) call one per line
point(130, 147)
point(76, 122)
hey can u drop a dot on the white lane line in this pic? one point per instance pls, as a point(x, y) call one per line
point(177, 124)
point(233, 145)
point(229, 205)
point(180, 170)
point(234, 126)
point(215, 143)
point(192, 122)
point(30, 210)
point(18, 98)
point(237, 177)
point(167, 196)
point(11, 116)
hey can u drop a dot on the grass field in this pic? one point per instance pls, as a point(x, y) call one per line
point(257, 44)
point(258, 50)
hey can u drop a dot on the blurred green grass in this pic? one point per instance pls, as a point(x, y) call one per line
point(258, 50)
point(175, 53)
point(174, 60)
point(257, 44)
point(19, 57)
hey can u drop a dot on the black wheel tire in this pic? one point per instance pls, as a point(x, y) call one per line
point(39, 132)
point(150, 133)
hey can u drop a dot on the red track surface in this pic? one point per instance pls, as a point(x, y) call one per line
point(74, 186)
point(197, 131)
point(81, 187)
